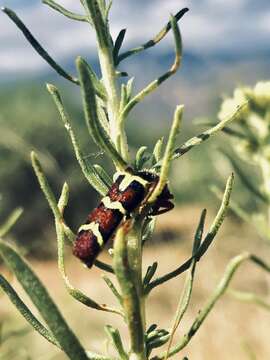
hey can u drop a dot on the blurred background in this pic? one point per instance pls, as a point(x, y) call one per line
point(226, 44)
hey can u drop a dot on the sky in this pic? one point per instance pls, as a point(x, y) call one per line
point(212, 28)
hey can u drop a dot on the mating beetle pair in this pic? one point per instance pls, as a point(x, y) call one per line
point(129, 192)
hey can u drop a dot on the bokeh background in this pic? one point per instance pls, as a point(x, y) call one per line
point(226, 43)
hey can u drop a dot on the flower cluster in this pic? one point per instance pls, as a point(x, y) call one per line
point(252, 140)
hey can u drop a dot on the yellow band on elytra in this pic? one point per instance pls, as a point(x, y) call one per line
point(94, 227)
point(127, 180)
point(115, 205)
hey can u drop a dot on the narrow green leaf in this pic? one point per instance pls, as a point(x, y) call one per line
point(25, 311)
point(123, 97)
point(112, 288)
point(241, 213)
point(43, 302)
point(45, 187)
point(120, 74)
point(90, 110)
point(153, 41)
point(151, 328)
point(206, 242)
point(49, 195)
point(197, 140)
point(102, 173)
point(39, 49)
point(141, 158)
point(157, 152)
point(148, 228)
point(220, 289)
point(199, 233)
point(75, 293)
point(103, 116)
point(155, 339)
point(159, 341)
point(214, 228)
point(103, 266)
point(188, 286)
point(118, 43)
point(129, 87)
point(154, 84)
point(115, 338)
point(10, 221)
point(150, 272)
point(164, 172)
point(88, 170)
point(69, 14)
point(97, 84)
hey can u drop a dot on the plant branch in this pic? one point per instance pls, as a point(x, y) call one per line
point(43, 302)
point(75, 293)
point(163, 32)
point(154, 84)
point(115, 338)
point(197, 140)
point(222, 286)
point(88, 170)
point(105, 52)
point(188, 286)
point(25, 311)
point(36, 45)
point(90, 110)
point(47, 191)
point(69, 14)
point(206, 242)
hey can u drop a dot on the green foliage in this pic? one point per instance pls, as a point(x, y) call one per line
point(106, 111)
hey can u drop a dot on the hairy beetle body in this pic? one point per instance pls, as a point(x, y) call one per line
point(125, 195)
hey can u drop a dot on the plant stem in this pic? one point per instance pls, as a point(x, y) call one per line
point(105, 53)
point(135, 260)
point(125, 258)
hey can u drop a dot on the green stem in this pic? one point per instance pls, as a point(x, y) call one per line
point(105, 53)
point(124, 260)
point(135, 260)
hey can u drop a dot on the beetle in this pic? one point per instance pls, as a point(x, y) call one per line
point(129, 191)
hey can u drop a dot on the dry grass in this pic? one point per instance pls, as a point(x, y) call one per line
point(228, 332)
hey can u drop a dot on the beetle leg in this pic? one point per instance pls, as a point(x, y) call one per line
point(162, 207)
